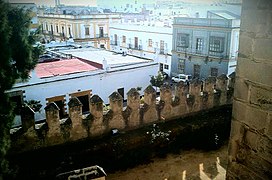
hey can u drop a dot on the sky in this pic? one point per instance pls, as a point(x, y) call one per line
point(52, 2)
point(95, 2)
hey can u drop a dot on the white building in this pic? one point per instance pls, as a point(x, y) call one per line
point(143, 40)
point(93, 72)
point(83, 26)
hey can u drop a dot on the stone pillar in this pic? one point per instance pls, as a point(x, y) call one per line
point(181, 91)
point(209, 85)
point(195, 92)
point(75, 114)
point(149, 111)
point(133, 102)
point(27, 118)
point(166, 98)
point(221, 86)
point(52, 120)
point(250, 147)
point(97, 125)
point(116, 105)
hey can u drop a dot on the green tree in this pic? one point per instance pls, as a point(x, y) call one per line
point(157, 81)
point(17, 57)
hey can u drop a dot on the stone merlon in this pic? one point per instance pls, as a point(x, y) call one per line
point(223, 77)
point(51, 107)
point(195, 82)
point(115, 96)
point(133, 92)
point(211, 80)
point(74, 102)
point(95, 99)
point(149, 89)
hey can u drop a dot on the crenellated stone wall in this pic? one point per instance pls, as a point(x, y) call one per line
point(174, 102)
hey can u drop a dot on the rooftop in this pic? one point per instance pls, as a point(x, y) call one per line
point(62, 67)
point(223, 14)
point(96, 55)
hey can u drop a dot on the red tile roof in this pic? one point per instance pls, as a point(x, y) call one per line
point(62, 67)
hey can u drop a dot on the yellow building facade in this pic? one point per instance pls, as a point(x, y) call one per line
point(91, 28)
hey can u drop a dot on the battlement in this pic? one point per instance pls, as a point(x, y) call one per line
point(174, 102)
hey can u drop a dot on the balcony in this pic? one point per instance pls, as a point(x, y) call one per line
point(203, 22)
point(101, 36)
point(189, 51)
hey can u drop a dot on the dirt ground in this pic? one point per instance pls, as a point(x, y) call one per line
point(189, 165)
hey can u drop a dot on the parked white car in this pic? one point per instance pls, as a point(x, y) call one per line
point(182, 77)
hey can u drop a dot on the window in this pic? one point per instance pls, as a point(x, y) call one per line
point(60, 102)
point(115, 39)
point(124, 39)
point(101, 32)
point(181, 65)
point(121, 91)
point(83, 97)
point(182, 41)
point(199, 45)
point(46, 27)
point(150, 42)
point(87, 31)
point(166, 66)
point(214, 72)
point(57, 28)
point(161, 67)
point(216, 44)
point(161, 47)
point(69, 30)
point(52, 29)
point(196, 71)
point(136, 42)
point(16, 98)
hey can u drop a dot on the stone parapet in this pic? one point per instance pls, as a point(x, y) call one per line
point(173, 102)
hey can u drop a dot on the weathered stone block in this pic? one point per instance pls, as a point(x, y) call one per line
point(264, 148)
point(258, 75)
point(264, 4)
point(261, 97)
point(262, 49)
point(241, 90)
point(269, 126)
point(251, 139)
point(257, 164)
point(245, 45)
point(252, 17)
point(250, 4)
point(256, 118)
point(239, 171)
point(239, 110)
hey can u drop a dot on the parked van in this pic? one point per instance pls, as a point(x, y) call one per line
point(182, 77)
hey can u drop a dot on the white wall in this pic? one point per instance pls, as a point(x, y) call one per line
point(100, 82)
point(144, 33)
